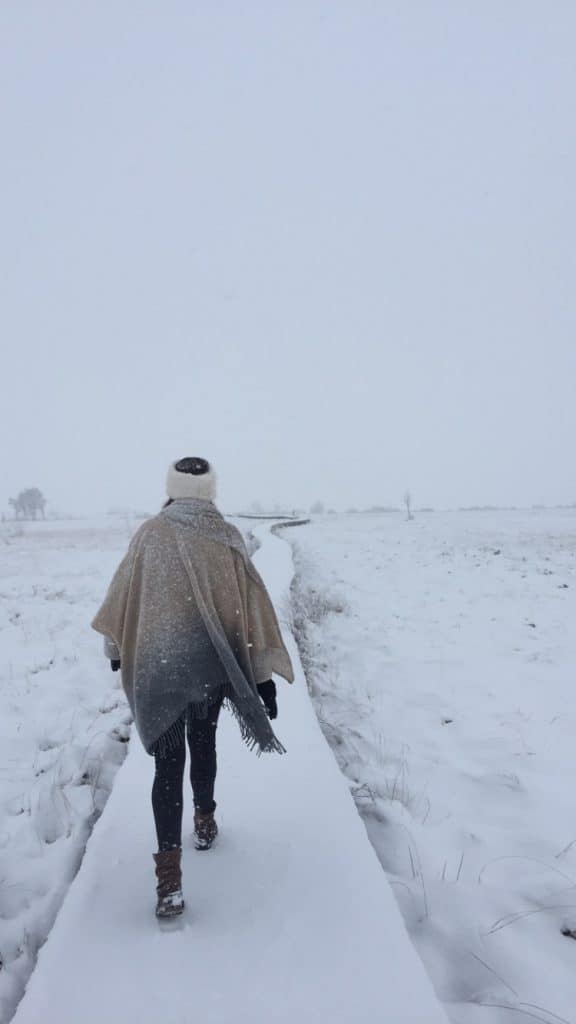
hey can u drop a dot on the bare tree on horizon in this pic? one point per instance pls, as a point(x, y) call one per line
point(28, 504)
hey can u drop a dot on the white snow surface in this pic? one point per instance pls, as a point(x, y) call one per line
point(440, 655)
point(289, 917)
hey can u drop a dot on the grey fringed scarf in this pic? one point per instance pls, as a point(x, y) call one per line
point(193, 622)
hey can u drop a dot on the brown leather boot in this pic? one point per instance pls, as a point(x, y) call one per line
point(169, 889)
point(205, 829)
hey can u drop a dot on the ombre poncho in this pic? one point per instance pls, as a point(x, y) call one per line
point(192, 622)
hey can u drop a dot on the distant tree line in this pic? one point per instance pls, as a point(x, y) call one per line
point(29, 504)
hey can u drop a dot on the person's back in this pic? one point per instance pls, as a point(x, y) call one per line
point(188, 620)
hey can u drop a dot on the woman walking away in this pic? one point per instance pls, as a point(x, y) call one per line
point(189, 622)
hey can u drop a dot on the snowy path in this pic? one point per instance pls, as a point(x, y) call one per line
point(289, 918)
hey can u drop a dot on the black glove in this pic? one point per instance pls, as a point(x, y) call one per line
point(115, 665)
point(267, 693)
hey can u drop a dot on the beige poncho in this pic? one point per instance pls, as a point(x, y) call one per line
point(193, 622)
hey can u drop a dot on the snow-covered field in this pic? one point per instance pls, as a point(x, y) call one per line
point(63, 725)
point(440, 654)
point(289, 918)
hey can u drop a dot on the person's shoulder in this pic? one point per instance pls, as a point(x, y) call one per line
point(146, 530)
point(237, 543)
point(236, 535)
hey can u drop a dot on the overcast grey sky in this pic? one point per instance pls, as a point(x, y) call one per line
point(327, 244)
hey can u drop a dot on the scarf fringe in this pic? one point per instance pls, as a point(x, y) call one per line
point(175, 735)
point(171, 739)
point(248, 728)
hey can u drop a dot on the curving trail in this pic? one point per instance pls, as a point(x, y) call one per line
point(289, 918)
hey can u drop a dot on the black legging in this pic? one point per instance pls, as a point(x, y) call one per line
point(167, 790)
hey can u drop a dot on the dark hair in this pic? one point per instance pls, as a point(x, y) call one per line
point(192, 465)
